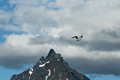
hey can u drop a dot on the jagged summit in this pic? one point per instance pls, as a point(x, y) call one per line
point(53, 67)
point(51, 53)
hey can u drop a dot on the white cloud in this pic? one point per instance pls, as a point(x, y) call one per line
point(22, 42)
point(4, 18)
point(91, 15)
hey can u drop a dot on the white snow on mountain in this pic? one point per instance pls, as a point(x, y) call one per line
point(42, 65)
point(66, 78)
point(30, 72)
point(48, 74)
point(54, 70)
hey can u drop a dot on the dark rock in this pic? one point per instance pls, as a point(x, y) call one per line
point(51, 68)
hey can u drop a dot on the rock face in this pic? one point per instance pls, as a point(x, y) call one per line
point(53, 67)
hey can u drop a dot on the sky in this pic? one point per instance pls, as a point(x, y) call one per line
point(30, 28)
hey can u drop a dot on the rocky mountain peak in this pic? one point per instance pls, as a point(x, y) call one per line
point(52, 55)
point(51, 52)
point(53, 67)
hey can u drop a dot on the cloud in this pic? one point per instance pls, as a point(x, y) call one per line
point(96, 66)
point(51, 24)
point(105, 40)
point(3, 18)
point(16, 52)
point(99, 41)
point(43, 15)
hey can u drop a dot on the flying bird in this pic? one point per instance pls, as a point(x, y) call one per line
point(78, 38)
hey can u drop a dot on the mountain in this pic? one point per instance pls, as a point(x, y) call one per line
point(53, 67)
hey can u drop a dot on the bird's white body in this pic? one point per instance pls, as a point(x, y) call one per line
point(78, 39)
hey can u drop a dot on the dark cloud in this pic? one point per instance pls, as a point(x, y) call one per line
point(41, 40)
point(16, 57)
point(18, 62)
point(102, 44)
point(82, 64)
point(49, 40)
point(105, 40)
point(95, 66)
point(111, 33)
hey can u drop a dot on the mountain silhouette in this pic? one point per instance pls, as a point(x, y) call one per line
point(53, 67)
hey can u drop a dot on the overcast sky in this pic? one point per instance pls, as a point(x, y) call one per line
point(30, 28)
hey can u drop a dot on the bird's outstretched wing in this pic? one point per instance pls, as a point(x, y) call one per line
point(75, 37)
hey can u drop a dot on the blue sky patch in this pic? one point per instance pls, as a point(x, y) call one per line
point(8, 73)
point(4, 4)
point(6, 32)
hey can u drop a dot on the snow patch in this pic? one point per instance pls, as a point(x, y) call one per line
point(30, 72)
point(82, 77)
point(40, 62)
point(42, 65)
point(48, 74)
point(66, 78)
point(54, 70)
point(58, 59)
